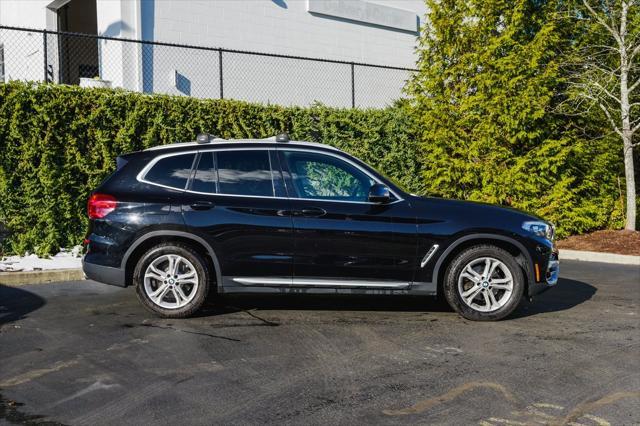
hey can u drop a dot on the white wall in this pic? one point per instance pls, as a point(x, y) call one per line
point(267, 26)
point(272, 26)
point(24, 13)
point(23, 52)
point(281, 27)
point(119, 61)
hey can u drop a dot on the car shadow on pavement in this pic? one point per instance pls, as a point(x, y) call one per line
point(397, 303)
point(565, 295)
point(15, 303)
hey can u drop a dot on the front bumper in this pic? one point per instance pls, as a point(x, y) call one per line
point(550, 276)
point(553, 272)
point(104, 274)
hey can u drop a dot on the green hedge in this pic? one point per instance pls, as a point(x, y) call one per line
point(58, 142)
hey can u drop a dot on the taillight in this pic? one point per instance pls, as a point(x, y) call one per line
point(100, 205)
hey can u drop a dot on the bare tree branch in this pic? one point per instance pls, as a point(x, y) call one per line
point(634, 52)
point(608, 93)
point(611, 73)
point(611, 120)
point(612, 30)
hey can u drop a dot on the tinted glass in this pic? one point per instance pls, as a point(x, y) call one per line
point(325, 177)
point(172, 171)
point(244, 173)
point(205, 177)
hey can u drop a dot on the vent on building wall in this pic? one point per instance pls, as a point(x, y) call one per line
point(367, 13)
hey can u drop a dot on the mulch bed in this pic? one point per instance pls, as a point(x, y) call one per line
point(619, 242)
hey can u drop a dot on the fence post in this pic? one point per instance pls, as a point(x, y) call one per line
point(353, 85)
point(221, 79)
point(45, 53)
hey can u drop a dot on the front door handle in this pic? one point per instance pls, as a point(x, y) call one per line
point(202, 205)
point(313, 212)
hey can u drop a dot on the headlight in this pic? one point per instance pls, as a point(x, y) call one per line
point(540, 229)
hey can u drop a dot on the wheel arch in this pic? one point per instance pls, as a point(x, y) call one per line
point(148, 240)
point(513, 246)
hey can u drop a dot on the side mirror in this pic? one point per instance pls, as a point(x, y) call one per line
point(379, 193)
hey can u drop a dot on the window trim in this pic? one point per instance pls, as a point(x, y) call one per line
point(141, 176)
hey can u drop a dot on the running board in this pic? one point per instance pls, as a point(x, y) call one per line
point(302, 282)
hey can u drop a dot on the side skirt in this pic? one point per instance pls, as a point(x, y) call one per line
point(323, 286)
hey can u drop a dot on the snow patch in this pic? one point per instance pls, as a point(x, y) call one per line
point(66, 259)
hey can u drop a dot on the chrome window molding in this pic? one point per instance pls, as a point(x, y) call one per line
point(141, 176)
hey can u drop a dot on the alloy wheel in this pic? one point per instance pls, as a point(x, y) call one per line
point(171, 281)
point(485, 284)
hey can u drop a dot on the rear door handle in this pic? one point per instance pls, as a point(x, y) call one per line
point(202, 205)
point(313, 212)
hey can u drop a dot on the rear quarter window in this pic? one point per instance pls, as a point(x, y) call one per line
point(173, 171)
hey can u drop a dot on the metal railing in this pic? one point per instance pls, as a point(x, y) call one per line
point(204, 72)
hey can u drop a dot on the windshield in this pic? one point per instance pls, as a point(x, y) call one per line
point(392, 180)
point(395, 181)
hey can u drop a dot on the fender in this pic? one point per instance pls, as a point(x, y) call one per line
point(456, 243)
point(186, 235)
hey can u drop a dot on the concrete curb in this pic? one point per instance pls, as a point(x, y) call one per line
point(593, 256)
point(14, 279)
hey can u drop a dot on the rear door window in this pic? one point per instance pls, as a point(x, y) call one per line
point(244, 172)
point(172, 171)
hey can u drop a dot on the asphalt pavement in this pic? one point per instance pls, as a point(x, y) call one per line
point(82, 353)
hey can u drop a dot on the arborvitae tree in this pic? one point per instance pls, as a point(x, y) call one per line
point(485, 96)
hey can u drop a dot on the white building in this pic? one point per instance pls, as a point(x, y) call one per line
point(381, 32)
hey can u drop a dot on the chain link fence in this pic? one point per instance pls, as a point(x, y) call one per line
point(204, 72)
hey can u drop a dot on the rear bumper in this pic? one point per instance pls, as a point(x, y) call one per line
point(104, 274)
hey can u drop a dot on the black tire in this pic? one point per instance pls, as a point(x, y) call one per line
point(203, 270)
point(455, 268)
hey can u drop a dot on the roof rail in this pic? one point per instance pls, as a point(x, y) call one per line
point(283, 137)
point(207, 138)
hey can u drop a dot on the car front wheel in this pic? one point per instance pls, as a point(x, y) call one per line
point(484, 283)
point(172, 280)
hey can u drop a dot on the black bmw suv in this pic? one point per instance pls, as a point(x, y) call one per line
point(276, 216)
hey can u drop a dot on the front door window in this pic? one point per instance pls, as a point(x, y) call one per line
point(322, 177)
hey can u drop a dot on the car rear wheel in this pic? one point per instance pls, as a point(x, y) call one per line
point(172, 280)
point(484, 283)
